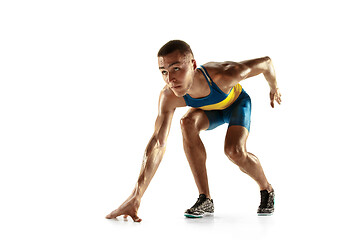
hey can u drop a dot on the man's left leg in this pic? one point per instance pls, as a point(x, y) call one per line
point(235, 150)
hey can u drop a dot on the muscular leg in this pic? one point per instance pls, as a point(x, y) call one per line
point(235, 150)
point(192, 123)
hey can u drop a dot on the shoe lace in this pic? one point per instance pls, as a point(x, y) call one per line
point(199, 201)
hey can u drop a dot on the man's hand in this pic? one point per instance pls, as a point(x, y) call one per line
point(275, 95)
point(128, 208)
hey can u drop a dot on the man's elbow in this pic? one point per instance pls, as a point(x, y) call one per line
point(267, 59)
point(160, 141)
point(266, 64)
point(156, 143)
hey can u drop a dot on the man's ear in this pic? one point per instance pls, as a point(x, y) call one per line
point(193, 61)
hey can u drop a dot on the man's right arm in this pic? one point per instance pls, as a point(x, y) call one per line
point(154, 151)
point(153, 155)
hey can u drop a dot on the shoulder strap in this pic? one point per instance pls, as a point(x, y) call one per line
point(206, 75)
point(211, 83)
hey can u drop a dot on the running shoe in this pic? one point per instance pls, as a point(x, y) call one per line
point(203, 207)
point(266, 207)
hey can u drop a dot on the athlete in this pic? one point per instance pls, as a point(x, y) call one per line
point(215, 96)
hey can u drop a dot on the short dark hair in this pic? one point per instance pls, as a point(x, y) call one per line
point(174, 45)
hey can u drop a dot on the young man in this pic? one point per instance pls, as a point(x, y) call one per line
point(215, 96)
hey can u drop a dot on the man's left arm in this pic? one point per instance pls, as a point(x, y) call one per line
point(239, 71)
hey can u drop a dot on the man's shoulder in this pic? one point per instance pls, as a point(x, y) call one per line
point(219, 67)
point(166, 91)
point(222, 73)
point(168, 98)
point(167, 95)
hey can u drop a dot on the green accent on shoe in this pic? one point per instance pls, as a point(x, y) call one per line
point(265, 214)
point(192, 216)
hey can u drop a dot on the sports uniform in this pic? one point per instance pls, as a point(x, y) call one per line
point(233, 108)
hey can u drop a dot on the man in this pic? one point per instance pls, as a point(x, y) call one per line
point(216, 97)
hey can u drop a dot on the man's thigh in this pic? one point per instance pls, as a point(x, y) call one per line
point(239, 113)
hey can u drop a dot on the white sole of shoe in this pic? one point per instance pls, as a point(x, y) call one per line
point(198, 216)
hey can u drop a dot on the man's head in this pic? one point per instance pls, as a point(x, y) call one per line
point(174, 45)
point(177, 66)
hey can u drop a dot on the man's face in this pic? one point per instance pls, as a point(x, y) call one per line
point(178, 71)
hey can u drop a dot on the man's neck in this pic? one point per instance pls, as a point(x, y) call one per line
point(199, 87)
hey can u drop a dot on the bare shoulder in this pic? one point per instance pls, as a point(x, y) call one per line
point(225, 74)
point(223, 69)
point(168, 101)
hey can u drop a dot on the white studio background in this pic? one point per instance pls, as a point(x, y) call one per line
point(79, 88)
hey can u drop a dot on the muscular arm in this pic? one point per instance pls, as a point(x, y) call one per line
point(152, 157)
point(154, 152)
point(235, 72)
point(238, 71)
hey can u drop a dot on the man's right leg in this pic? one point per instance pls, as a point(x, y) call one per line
point(194, 121)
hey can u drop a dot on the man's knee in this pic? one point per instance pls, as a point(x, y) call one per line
point(236, 154)
point(187, 123)
point(194, 122)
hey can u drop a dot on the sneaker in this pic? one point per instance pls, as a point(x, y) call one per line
point(266, 207)
point(203, 207)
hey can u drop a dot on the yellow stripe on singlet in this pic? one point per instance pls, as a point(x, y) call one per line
point(230, 99)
